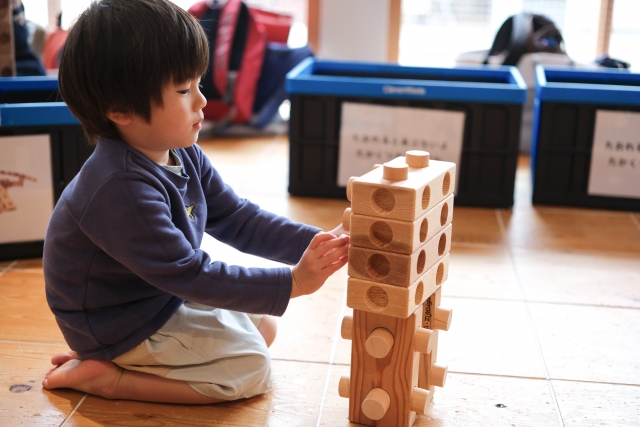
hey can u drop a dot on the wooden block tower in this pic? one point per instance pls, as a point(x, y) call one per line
point(400, 227)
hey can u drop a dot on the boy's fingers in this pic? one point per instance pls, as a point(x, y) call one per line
point(335, 254)
point(320, 238)
point(327, 245)
point(336, 265)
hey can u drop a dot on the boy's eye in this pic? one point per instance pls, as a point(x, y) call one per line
point(184, 92)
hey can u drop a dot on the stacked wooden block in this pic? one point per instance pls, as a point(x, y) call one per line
point(400, 227)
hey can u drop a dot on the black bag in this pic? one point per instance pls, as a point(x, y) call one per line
point(525, 33)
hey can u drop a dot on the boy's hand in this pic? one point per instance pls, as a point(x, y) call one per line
point(325, 255)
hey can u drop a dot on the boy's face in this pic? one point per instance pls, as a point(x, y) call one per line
point(174, 125)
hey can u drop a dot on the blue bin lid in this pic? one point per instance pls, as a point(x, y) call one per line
point(376, 80)
point(28, 83)
point(36, 114)
point(585, 86)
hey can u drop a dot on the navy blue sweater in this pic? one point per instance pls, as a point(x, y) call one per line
point(122, 249)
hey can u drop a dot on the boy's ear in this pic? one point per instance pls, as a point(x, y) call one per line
point(119, 118)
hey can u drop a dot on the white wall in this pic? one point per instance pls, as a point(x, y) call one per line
point(353, 29)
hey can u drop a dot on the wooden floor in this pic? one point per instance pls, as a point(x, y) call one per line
point(545, 331)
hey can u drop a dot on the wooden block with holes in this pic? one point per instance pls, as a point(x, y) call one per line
point(434, 318)
point(383, 385)
point(403, 199)
point(396, 301)
point(400, 236)
point(398, 269)
point(400, 227)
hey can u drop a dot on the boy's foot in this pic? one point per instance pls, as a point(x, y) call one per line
point(98, 377)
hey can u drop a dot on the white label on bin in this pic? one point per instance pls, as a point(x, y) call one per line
point(371, 134)
point(26, 188)
point(615, 156)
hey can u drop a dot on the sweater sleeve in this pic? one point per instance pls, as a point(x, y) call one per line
point(129, 218)
point(243, 225)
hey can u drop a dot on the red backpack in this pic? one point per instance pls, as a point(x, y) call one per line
point(238, 41)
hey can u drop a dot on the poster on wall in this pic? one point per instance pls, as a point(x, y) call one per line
point(26, 188)
point(615, 156)
point(371, 134)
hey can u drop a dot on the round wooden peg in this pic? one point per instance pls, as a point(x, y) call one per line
point(395, 171)
point(346, 329)
point(438, 375)
point(379, 343)
point(442, 318)
point(419, 400)
point(344, 386)
point(376, 403)
point(350, 187)
point(417, 159)
point(423, 342)
point(346, 219)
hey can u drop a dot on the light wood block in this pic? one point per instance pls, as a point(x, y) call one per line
point(419, 400)
point(399, 236)
point(396, 373)
point(396, 301)
point(379, 343)
point(442, 318)
point(405, 200)
point(346, 220)
point(376, 404)
point(426, 378)
point(423, 342)
point(346, 328)
point(343, 387)
point(395, 172)
point(398, 269)
point(438, 375)
point(417, 159)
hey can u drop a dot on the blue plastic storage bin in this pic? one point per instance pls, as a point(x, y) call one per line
point(566, 104)
point(491, 98)
point(30, 106)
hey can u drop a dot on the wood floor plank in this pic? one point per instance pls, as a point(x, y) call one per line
point(293, 401)
point(24, 313)
point(22, 399)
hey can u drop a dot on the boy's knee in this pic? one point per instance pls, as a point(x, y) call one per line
point(268, 328)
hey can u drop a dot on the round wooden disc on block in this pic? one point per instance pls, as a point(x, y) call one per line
point(423, 342)
point(376, 403)
point(438, 375)
point(419, 400)
point(417, 159)
point(346, 329)
point(379, 343)
point(442, 318)
point(395, 171)
point(346, 219)
point(344, 386)
point(350, 186)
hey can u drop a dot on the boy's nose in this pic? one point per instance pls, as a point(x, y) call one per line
point(201, 101)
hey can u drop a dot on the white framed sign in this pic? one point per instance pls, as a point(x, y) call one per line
point(371, 134)
point(615, 156)
point(26, 188)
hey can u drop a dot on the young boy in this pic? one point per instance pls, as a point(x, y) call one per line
point(130, 289)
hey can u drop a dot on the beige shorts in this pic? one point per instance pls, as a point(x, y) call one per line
point(219, 353)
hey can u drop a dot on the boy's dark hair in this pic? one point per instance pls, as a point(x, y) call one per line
point(121, 53)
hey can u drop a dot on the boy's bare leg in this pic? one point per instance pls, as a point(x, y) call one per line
point(106, 379)
point(268, 329)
